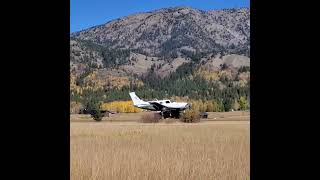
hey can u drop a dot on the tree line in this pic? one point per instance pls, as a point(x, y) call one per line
point(218, 95)
point(195, 88)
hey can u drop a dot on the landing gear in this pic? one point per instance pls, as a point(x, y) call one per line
point(170, 114)
point(175, 114)
point(165, 114)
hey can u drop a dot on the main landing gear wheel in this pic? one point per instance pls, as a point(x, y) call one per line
point(170, 114)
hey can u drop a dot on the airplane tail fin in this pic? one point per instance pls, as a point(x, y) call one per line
point(135, 99)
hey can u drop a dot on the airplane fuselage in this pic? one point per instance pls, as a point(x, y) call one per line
point(159, 105)
point(166, 103)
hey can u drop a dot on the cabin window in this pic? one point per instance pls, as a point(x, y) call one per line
point(167, 101)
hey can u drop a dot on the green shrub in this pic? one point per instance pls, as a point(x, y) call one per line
point(96, 114)
point(93, 108)
point(190, 116)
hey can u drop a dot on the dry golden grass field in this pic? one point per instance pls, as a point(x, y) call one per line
point(121, 148)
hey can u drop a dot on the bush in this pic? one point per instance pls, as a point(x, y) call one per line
point(190, 116)
point(94, 109)
point(150, 118)
point(96, 115)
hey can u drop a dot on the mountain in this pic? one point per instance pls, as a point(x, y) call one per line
point(169, 30)
point(168, 45)
point(167, 34)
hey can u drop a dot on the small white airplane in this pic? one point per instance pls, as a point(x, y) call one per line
point(166, 107)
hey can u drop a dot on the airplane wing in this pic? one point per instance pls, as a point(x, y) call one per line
point(160, 107)
point(157, 106)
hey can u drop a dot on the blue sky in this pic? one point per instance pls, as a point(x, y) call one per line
point(88, 13)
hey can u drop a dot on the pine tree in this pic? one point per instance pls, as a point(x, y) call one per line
point(243, 103)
